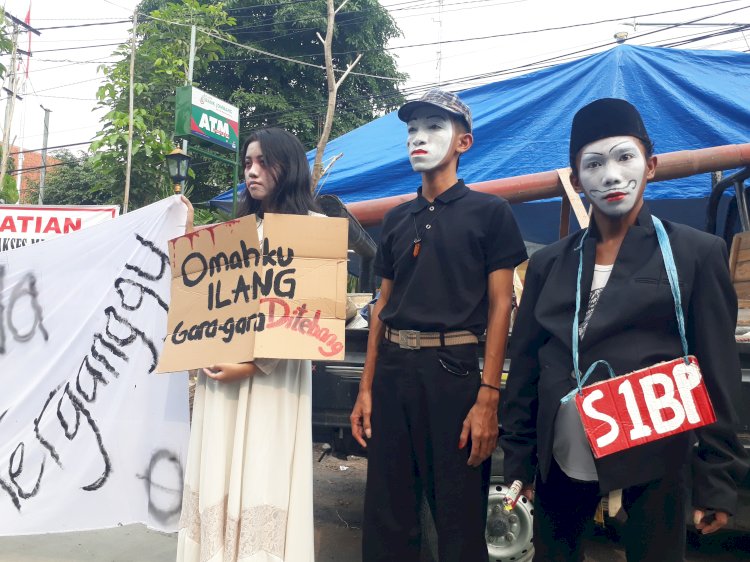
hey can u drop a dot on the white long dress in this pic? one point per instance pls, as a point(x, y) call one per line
point(248, 480)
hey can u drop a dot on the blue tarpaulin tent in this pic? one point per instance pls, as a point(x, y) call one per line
point(689, 99)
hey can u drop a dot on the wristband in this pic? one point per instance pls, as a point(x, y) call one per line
point(489, 386)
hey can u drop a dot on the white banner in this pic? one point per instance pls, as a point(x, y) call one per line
point(90, 437)
point(22, 225)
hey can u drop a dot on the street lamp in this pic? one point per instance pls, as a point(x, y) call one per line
point(178, 164)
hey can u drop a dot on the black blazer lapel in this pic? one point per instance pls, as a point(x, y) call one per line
point(638, 248)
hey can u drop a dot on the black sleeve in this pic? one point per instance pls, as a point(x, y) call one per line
point(384, 256)
point(719, 460)
point(520, 399)
point(504, 247)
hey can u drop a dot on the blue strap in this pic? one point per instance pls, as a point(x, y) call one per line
point(671, 268)
point(585, 377)
point(576, 319)
point(669, 265)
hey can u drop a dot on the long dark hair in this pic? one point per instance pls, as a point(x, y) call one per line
point(284, 154)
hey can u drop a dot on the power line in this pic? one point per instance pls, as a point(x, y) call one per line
point(35, 168)
point(570, 26)
point(87, 40)
point(76, 19)
point(536, 65)
point(270, 21)
point(75, 48)
point(84, 25)
point(61, 97)
point(527, 32)
point(273, 55)
point(37, 70)
point(49, 148)
point(74, 61)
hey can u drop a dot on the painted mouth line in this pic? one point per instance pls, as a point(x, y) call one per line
point(616, 190)
point(419, 152)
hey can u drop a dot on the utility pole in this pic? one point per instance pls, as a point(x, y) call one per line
point(43, 171)
point(10, 105)
point(189, 78)
point(13, 82)
point(129, 164)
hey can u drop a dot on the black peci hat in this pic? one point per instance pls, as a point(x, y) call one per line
point(606, 117)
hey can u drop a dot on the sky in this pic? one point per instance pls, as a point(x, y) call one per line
point(64, 75)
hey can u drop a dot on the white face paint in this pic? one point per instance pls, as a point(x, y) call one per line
point(611, 174)
point(430, 137)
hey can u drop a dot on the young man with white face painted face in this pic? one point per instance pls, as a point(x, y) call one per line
point(628, 319)
point(426, 414)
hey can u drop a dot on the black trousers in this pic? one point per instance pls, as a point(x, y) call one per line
point(564, 510)
point(420, 399)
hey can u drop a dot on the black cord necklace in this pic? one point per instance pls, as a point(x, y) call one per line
point(418, 235)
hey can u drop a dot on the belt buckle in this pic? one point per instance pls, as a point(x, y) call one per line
point(403, 339)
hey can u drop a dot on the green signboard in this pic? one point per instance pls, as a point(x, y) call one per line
point(202, 115)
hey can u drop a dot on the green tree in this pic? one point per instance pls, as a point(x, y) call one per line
point(161, 65)
point(8, 191)
point(75, 182)
point(273, 92)
point(6, 43)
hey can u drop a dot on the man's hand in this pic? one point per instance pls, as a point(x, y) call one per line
point(707, 521)
point(528, 491)
point(229, 372)
point(481, 425)
point(360, 418)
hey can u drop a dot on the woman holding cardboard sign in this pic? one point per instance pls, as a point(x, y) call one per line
point(633, 296)
point(248, 480)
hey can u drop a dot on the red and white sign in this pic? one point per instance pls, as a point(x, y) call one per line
point(644, 406)
point(21, 225)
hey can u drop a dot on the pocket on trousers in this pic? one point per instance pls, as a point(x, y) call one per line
point(459, 360)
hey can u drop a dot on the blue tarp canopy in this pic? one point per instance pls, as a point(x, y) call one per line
point(689, 99)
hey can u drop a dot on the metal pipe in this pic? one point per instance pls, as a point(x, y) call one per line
point(543, 185)
point(718, 189)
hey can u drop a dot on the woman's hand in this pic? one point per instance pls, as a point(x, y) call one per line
point(229, 372)
point(190, 214)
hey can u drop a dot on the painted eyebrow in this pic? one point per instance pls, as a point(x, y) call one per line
point(620, 144)
point(594, 153)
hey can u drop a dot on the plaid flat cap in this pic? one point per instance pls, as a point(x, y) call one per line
point(447, 101)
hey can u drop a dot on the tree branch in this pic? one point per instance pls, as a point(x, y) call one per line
point(342, 5)
point(349, 68)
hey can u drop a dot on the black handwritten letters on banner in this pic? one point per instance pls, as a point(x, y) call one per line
point(88, 437)
point(66, 412)
point(235, 298)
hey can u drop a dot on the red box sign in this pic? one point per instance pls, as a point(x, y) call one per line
point(644, 406)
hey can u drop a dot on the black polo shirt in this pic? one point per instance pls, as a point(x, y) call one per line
point(465, 236)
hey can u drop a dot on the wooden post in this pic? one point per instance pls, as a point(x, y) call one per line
point(9, 107)
point(571, 201)
point(129, 164)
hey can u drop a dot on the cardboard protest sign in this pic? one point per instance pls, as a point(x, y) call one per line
point(644, 406)
point(235, 298)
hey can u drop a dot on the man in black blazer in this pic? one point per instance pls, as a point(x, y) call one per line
point(627, 317)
